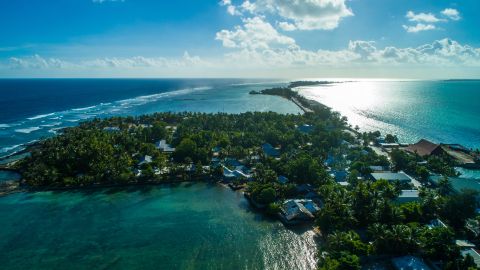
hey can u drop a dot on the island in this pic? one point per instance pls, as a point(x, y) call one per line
point(371, 200)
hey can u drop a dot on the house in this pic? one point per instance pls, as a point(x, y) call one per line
point(473, 226)
point(436, 223)
point(216, 151)
point(392, 177)
point(339, 176)
point(379, 168)
point(459, 153)
point(232, 162)
point(409, 195)
point(389, 145)
point(409, 263)
point(464, 244)
point(270, 151)
point(458, 183)
point(330, 160)
point(282, 179)
point(215, 162)
point(145, 160)
point(111, 129)
point(475, 255)
point(379, 140)
point(164, 146)
point(424, 148)
point(230, 175)
point(298, 211)
point(305, 128)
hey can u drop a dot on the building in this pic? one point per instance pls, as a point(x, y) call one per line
point(270, 151)
point(339, 175)
point(164, 146)
point(145, 160)
point(409, 195)
point(305, 128)
point(409, 263)
point(475, 255)
point(111, 129)
point(392, 177)
point(236, 174)
point(379, 169)
point(424, 148)
point(216, 151)
point(459, 153)
point(464, 244)
point(298, 211)
point(437, 223)
point(389, 145)
point(282, 179)
point(458, 183)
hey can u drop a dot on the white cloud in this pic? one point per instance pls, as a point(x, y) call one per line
point(255, 33)
point(39, 62)
point(419, 27)
point(422, 17)
point(253, 54)
point(359, 53)
point(248, 6)
point(312, 14)
point(286, 26)
point(299, 15)
point(427, 21)
point(452, 14)
point(231, 9)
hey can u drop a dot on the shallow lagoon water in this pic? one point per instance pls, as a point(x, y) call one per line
point(189, 226)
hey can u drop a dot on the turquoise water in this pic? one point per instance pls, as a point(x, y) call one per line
point(58, 103)
point(442, 111)
point(191, 226)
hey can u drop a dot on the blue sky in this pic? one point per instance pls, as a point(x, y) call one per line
point(239, 38)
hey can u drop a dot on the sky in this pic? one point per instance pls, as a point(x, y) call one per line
point(412, 39)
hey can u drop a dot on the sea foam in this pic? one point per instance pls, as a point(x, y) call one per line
point(27, 130)
point(40, 116)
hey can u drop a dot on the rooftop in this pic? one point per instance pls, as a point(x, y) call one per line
point(459, 183)
point(391, 176)
point(475, 255)
point(422, 147)
point(269, 150)
point(164, 146)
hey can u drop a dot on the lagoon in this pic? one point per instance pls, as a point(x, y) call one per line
point(188, 226)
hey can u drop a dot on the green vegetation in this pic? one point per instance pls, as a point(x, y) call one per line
point(357, 221)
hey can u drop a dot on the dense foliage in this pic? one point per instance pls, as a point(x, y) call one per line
point(357, 221)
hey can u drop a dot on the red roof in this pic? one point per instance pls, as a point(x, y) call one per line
point(422, 147)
